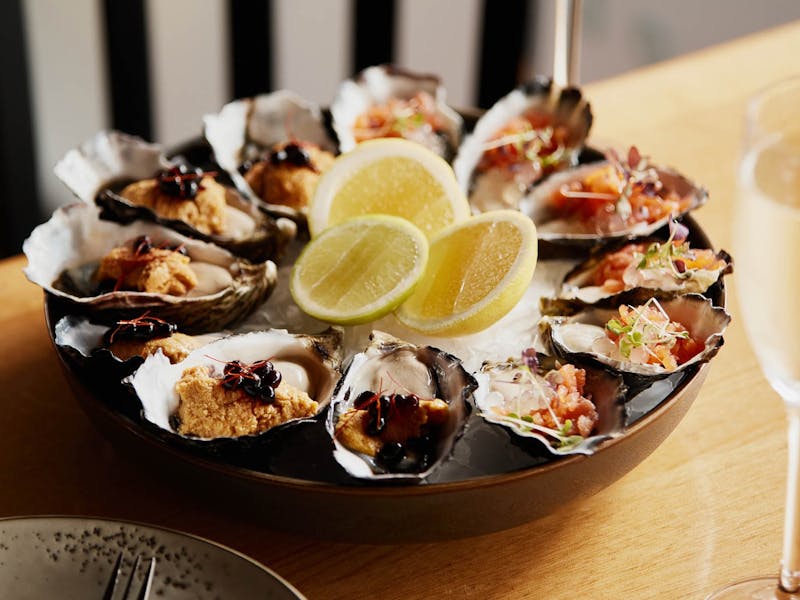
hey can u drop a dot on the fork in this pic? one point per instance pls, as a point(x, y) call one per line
point(144, 592)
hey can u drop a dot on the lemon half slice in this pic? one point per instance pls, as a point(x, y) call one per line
point(393, 177)
point(359, 270)
point(477, 271)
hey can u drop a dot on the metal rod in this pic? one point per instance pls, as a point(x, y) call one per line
point(567, 56)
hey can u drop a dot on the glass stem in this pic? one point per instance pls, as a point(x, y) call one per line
point(790, 561)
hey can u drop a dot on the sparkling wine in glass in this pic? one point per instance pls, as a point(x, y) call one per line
point(767, 251)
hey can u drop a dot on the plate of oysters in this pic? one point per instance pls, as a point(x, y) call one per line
point(171, 301)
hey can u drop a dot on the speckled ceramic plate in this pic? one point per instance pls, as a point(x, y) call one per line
point(72, 557)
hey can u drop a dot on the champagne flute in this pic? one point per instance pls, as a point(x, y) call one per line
point(767, 250)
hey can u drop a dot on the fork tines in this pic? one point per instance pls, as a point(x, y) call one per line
point(116, 572)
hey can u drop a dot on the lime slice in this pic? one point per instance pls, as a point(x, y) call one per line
point(477, 271)
point(359, 270)
point(392, 177)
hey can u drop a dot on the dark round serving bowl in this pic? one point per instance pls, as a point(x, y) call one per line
point(450, 507)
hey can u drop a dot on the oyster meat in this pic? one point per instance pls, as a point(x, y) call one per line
point(604, 201)
point(531, 132)
point(398, 410)
point(570, 408)
point(240, 385)
point(274, 147)
point(131, 179)
point(64, 255)
point(384, 101)
point(648, 341)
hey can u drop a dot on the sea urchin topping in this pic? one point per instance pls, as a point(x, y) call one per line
point(145, 267)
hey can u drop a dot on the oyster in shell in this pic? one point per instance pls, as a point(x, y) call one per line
point(531, 132)
point(609, 200)
point(132, 179)
point(631, 272)
point(398, 410)
point(308, 366)
point(118, 349)
point(648, 341)
point(281, 132)
point(570, 408)
point(64, 254)
point(384, 101)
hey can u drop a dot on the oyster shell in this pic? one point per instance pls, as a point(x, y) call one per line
point(566, 233)
point(391, 367)
point(377, 86)
point(307, 362)
point(97, 170)
point(244, 129)
point(513, 393)
point(650, 272)
point(63, 254)
point(583, 335)
point(553, 126)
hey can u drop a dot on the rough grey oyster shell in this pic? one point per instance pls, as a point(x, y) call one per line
point(567, 236)
point(390, 365)
point(377, 85)
point(64, 252)
point(579, 290)
point(244, 128)
point(582, 336)
point(97, 170)
point(511, 387)
point(495, 189)
point(309, 362)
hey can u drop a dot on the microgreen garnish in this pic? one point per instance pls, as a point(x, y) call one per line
point(646, 326)
point(529, 407)
point(530, 144)
point(407, 120)
point(635, 173)
point(670, 255)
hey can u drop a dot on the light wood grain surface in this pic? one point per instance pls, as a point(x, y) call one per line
point(704, 509)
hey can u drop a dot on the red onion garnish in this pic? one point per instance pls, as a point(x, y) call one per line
point(677, 231)
point(530, 359)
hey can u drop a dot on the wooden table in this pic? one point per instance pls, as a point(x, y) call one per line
point(704, 509)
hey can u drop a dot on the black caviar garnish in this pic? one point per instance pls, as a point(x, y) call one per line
point(293, 154)
point(182, 181)
point(144, 327)
point(258, 380)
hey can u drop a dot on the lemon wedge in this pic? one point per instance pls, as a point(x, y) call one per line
point(477, 271)
point(393, 177)
point(359, 270)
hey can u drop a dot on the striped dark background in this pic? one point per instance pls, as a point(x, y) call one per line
point(154, 67)
point(250, 29)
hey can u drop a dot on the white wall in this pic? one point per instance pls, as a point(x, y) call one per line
point(67, 78)
point(188, 45)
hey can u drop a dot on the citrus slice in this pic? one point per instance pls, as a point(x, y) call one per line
point(359, 270)
point(392, 177)
point(477, 271)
